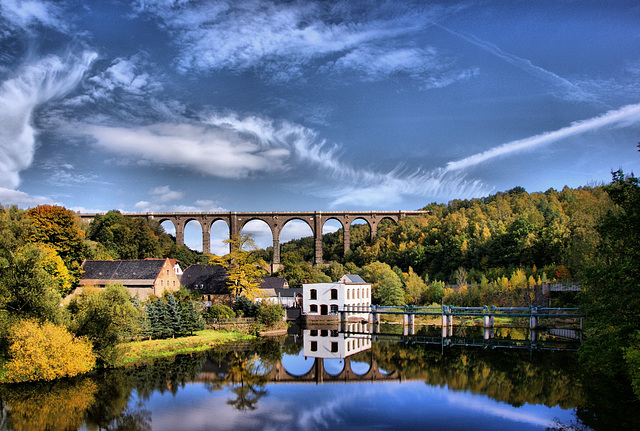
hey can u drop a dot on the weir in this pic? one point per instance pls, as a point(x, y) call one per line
point(447, 314)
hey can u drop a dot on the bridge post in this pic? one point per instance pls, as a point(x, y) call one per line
point(346, 237)
point(275, 265)
point(179, 231)
point(488, 319)
point(317, 231)
point(206, 236)
point(487, 333)
point(533, 319)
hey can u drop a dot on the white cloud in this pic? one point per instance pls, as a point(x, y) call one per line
point(164, 194)
point(123, 75)
point(198, 147)
point(21, 199)
point(626, 116)
point(229, 146)
point(278, 40)
point(34, 85)
point(423, 64)
point(24, 14)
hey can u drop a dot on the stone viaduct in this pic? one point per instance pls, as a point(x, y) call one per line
point(276, 221)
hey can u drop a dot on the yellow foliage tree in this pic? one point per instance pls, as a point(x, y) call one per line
point(244, 268)
point(46, 352)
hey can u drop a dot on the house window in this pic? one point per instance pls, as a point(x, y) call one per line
point(313, 294)
point(334, 293)
point(313, 332)
point(348, 293)
point(334, 347)
point(313, 308)
point(314, 346)
point(161, 282)
point(334, 309)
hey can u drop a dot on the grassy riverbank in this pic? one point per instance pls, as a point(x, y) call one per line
point(136, 352)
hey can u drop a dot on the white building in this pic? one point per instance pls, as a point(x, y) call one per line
point(351, 292)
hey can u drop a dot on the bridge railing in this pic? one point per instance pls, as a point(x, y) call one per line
point(451, 310)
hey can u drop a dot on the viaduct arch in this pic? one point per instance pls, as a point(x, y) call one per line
point(276, 221)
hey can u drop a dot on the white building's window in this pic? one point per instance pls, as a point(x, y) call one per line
point(334, 294)
point(313, 308)
point(313, 294)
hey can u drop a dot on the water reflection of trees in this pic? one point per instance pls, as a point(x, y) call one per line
point(104, 401)
point(246, 373)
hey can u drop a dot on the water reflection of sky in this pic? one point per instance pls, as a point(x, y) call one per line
point(350, 406)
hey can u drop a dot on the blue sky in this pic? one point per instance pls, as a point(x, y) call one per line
point(299, 105)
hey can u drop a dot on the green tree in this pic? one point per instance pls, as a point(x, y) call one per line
point(611, 296)
point(174, 319)
point(189, 315)
point(386, 286)
point(244, 269)
point(106, 317)
point(27, 289)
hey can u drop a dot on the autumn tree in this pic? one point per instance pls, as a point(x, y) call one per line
point(44, 351)
point(244, 269)
point(59, 228)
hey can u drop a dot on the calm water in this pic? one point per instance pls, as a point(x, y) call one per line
point(325, 379)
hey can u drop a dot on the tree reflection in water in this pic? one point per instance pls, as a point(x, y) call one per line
point(106, 400)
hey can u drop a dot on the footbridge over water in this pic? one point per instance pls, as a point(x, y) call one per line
point(276, 221)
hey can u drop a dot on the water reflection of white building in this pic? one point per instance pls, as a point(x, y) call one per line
point(351, 292)
point(333, 344)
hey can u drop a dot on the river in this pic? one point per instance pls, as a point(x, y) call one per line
point(326, 378)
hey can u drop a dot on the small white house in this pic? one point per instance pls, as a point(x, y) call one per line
point(351, 292)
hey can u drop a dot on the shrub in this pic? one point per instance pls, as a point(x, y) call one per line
point(269, 313)
point(46, 352)
point(220, 311)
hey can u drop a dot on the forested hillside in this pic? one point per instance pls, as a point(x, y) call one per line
point(549, 235)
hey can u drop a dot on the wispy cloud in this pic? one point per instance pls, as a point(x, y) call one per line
point(24, 14)
point(123, 75)
point(423, 64)
point(569, 90)
point(35, 84)
point(626, 116)
point(281, 40)
point(230, 146)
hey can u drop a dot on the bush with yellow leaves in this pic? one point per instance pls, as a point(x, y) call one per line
point(44, 351)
